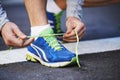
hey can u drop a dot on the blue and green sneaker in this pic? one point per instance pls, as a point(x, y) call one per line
point(54, 21)
point(49, 52)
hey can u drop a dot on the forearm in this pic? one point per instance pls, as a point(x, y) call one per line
point(74, 8)
point(3, 17)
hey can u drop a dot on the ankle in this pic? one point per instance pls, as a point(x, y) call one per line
point(36, 30)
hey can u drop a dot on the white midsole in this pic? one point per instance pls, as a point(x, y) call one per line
point(56, 64)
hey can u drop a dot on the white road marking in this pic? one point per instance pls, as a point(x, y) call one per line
point(85, 47)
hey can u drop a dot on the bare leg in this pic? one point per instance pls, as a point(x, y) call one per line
point(37, 12)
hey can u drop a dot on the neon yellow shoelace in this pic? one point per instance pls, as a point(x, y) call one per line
point(53, 42)
point(76, 48)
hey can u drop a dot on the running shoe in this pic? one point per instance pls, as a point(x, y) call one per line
point(54, 21)
point(49, 52)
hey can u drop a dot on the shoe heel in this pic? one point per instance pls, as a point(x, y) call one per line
point(30, 58)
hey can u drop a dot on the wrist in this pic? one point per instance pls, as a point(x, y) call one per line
point(72, 18)
point(2, 28)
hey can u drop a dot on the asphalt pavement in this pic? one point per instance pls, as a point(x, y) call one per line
point(102, 66)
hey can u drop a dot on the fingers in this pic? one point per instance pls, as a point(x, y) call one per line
point(79, 31)
point(22, 38)
point(20, 34)
point(74, 38)
point(72, 24)
point(72, 35)
point(27, 42)
point(13, 36)
point(13, 41)
point(69, 26)
point(17, 42)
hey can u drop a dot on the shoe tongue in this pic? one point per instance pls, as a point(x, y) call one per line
point(46, 32)
point(50, 38)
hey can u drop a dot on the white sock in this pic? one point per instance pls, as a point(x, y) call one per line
point(53, 7)
point(35, 30)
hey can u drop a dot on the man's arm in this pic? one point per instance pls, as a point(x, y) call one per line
point(73, 21)
point(74, 8)
point(3, 17)
point(11, 33)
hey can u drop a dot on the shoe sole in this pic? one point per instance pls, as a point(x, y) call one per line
point(33, 58)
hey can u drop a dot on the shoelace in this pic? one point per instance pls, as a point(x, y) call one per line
point(53, 42)
point(76, 49)
point(57, 18)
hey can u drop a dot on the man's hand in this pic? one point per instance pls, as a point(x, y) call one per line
point(72, 24)
point(13, 36)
